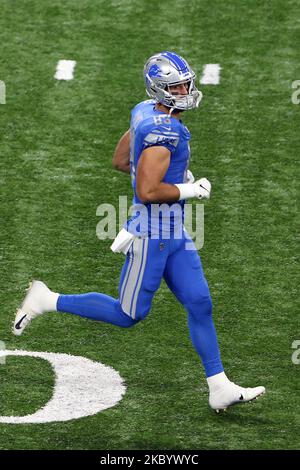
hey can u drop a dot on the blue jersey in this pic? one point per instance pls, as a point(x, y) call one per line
point(150, 127)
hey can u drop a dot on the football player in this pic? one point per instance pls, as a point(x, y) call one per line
point(155, 151)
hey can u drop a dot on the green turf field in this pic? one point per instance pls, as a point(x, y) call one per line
point(57, 140)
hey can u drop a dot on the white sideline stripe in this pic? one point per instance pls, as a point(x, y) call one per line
point(65, 70)
point(211, 74)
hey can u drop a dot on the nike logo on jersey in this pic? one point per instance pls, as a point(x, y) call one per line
point(241, 397)
point(18, 325)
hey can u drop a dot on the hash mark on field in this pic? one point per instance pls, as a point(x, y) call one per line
point(65, 70)
point(211, 74)
point(2, 92)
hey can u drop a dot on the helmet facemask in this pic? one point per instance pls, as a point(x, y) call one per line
point(162, 72)
point(185, 102)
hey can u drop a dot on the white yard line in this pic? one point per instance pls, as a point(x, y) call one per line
point(211, 74)
point(65, 70)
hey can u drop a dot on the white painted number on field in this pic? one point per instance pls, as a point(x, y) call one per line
point(295, 95)
point(296, 354)
point(65, 70)
point(211, 74)
point(82, 388)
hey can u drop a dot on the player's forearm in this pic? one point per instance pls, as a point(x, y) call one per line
point(121, 161)
point(163, 192)
point(121, 158)
point(125, 168)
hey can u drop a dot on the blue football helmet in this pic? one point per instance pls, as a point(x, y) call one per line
point(167, 69)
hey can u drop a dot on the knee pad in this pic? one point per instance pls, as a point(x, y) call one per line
point(199, 305)
point(141, 314)
point(125, 320)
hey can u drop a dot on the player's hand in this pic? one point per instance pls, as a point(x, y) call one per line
point(190, 178)
point(202, 188)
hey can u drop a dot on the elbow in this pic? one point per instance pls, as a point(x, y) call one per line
point(145, 199)
point(118, 166)
point(144, 195)
point(115, 164)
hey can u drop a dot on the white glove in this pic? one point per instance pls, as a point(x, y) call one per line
point(202, 188)
point(190, 178)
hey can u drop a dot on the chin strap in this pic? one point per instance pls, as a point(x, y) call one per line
point(171, 111)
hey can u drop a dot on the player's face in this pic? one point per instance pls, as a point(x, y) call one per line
point(181, 89)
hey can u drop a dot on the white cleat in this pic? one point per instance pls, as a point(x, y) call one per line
point(233, 394)
point(31, 306)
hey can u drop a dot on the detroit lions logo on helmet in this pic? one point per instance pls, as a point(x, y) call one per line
point(154, 71)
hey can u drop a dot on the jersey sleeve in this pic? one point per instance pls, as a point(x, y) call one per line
point(160, 135)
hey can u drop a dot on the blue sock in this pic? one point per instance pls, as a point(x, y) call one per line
point(203, 336)
point(96, 306)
